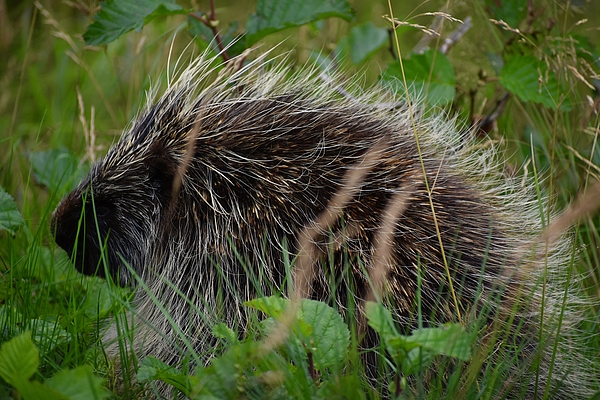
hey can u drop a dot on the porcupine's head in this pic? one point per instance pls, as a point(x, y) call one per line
point(113, 216)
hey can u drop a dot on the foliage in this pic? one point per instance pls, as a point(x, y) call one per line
point(526, 75)
point(19, 361)
point(316, 346)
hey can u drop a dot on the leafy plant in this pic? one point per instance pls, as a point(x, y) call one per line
point(19, 361)
point(525, 73)
point(318, 341)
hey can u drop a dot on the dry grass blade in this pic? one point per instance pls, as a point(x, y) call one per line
point(585, 204)
point(303, 272)
point(384, 240)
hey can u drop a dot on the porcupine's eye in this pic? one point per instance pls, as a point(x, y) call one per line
point(102, 211)
point(161, 170)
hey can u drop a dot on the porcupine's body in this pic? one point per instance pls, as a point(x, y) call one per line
point(269, 153)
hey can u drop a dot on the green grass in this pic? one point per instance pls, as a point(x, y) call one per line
point(46, 138)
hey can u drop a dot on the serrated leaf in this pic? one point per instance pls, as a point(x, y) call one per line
point(364, 40)
point(118, 17)
point(275, 15)
point(527, 78)
point(429, 74)
point(47, 334)
point(78, 384)
point(10, 217)
point(222, 331)
point(56, 169)
point(330, 337)
point(19, 359)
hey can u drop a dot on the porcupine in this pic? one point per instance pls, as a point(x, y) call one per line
point(259, 153)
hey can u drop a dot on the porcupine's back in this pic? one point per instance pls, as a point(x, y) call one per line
point(270, 152)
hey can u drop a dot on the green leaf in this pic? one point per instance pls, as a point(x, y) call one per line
point(342, 387)
point(57, 169)
point(118, 17)
point(273, 306)
point(78, 384)
point(585, 49)
point(380, 319)
point(510, 11)
point(417, 360)
point(366, 39)
point(97, 303)
point(330, 337)
point(428, 75)
point(154, 369)
point(529, 79)
point(222, 331)
point(275, 15)
point(38, 391)
point(451, 340)
point(223, 378)
point(47, 334)
point(19, 359)
point(10, 217)
point(415, 352)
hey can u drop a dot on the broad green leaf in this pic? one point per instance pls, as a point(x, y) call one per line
point(37, 391)
point(19, 359)
point(451, 340)
point(78, 384)
point(428, 75)
point(366, 39)
point(529, 79)
point(56, 169)
point(510, 11)
point(98, 301)
point(10, 217)
point(330, 336)
point(118, 17)
point(275, 15)
point(380, 319)
point(154, 369)
point(417, 360)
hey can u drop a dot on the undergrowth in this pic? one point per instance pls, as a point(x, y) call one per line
point(524, 74)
